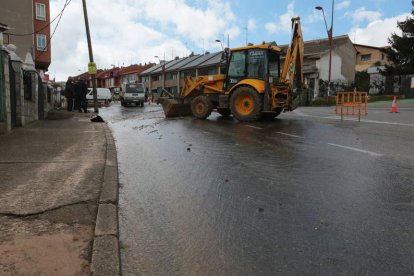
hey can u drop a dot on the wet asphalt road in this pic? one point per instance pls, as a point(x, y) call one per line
point(305, 194)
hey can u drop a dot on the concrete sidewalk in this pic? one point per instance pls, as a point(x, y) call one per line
point(59, 198)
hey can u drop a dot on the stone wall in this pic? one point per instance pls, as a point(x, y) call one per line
point(17, 107)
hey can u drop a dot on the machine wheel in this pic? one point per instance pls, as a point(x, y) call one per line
point(224, 111)
point(246, 104)
point(201, 107)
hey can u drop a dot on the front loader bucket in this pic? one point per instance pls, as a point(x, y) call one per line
point(175, 107)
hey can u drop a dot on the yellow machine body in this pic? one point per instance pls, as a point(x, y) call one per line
point(246, 98)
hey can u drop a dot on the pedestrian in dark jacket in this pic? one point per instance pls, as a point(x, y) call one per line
point(70, 93)
point(81, 90)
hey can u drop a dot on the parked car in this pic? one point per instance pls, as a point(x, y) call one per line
point(103, 94)
point(132, 93)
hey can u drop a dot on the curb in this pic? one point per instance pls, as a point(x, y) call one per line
point(105, 254)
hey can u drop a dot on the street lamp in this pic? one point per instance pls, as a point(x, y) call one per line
point(330, 33)
point(221, 43)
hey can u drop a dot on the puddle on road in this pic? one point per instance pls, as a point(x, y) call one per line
point(213, 197)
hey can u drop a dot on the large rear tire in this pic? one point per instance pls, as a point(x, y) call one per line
point(246, 104)
point(201, 107)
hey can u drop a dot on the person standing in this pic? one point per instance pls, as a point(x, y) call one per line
point(69, 93)
point(81, 90)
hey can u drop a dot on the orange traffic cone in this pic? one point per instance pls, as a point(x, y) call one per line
point(394, 108)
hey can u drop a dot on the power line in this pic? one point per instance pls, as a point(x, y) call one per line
point(59, 15)
point(57, 24)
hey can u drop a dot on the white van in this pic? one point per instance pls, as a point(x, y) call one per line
point(102, 95)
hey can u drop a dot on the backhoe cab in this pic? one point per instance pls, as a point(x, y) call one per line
point(254, 87)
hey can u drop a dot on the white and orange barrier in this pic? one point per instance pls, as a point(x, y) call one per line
point(351, 104)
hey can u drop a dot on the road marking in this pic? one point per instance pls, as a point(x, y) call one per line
point(355, 149)
point(369, 121)
point(355, 120)
point(290, 135)
point(254, 127)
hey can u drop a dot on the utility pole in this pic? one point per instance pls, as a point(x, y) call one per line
point(330, 47)
point(91, 65)
point(330, 35)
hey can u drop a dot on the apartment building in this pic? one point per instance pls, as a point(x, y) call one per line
point(369, 56)
point(29, 29)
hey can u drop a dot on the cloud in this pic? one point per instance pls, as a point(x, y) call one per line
point(251, 24)
point(271, 27)
point(134, 31)
point(342, 5)
point(315, 16)
point(361, 15)
point(377, 32)
point(195, 23)
point(284, 21)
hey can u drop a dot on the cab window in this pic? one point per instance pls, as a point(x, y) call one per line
point(274, 65)
point(237, 66)
point(256, 63)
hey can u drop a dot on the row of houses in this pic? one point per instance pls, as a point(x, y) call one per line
point(113, 78)
point(347, 59)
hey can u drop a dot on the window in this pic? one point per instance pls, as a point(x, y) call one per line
point(366, 57)
point(190, 73)
point(171, 76)
point(274, 65)
point(132, 78)
point(237, 65)
point(41, 42)
point(40, 11)
point(256, 64)
point(382, 56)
point(28, 81)
point(208, 71)
point(156, 77)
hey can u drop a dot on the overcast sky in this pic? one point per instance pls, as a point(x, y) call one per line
point(128, 32)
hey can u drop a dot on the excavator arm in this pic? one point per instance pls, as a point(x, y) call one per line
point(293, 66)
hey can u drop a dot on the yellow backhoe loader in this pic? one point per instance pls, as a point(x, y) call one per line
point(254, 87)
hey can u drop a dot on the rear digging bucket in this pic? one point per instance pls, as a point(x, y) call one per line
point(175, 107)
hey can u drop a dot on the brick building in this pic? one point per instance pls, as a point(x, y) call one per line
point(369, 56)
point(29, 23)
